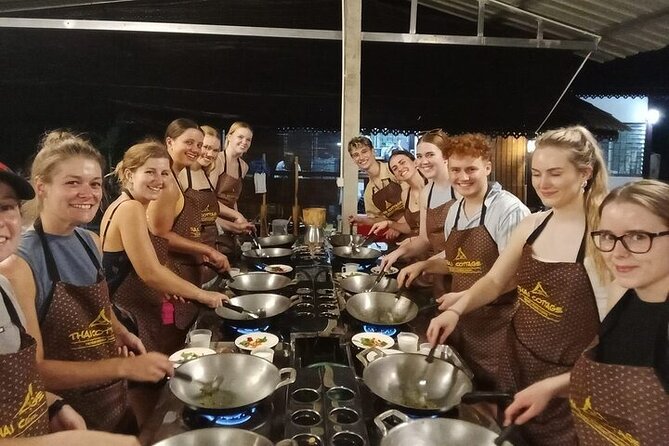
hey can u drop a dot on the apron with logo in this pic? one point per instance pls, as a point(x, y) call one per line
point(388, 199)
point(615, 404)
point(556, 319)
point(77, 327)
point(23, 407)
point(412, 218)
point(480, 335)
point(187, 266)
point(228, 190)
point(145, 303)
point(435, 218)
point(208, 207)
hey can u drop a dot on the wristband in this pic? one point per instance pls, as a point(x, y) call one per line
point(56, 407)
point(454, 311)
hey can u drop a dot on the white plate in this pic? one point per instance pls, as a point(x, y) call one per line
point(353, 273)
point(187, 354)
point(377, 269)
point(371, 356)
point(284, 269)
point(378, 340)
point(255, 340)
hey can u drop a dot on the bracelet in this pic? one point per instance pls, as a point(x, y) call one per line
point(454, 311)
point(56, 407)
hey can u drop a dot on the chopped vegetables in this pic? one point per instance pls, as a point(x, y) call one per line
point(253, 342)
point(373, 342)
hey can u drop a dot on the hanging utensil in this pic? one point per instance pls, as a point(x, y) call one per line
point(296, 206)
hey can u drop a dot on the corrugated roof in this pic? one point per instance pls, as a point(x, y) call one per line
point(626, 27)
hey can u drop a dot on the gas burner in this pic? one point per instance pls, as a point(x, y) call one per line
point(304, 290)
point(247, 330)
point(254, 418)
point(325, 291)
point(383, 329)
point(329, 315)
point(234, 419)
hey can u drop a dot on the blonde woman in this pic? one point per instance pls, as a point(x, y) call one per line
point(557, 315)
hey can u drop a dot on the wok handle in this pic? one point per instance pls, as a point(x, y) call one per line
point(292, 374)
point(501, 398)
point(296, 299)
point(382, 417)
point(362, 356)
point(505, 434)
point(182, 375)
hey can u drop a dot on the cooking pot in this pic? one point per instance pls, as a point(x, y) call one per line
point(276, 254)
point(433, 432)
point(278, 241)
point(256, 282)
point(247, 380)
point(271, 305)
point(360, 255)
point(361, 283)
point(381, 308)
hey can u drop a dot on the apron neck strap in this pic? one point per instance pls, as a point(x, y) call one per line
point(11, 309)
point(483, 208)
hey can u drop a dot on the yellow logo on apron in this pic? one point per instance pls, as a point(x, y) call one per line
point(208, 215)
point(601, 425)
point(462, 265)
point(33, 407)
point(99, 332)
point(538, 300)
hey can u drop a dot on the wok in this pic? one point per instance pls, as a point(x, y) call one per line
point(360, 284)
point(215, 436)
point(268, 253)
point(271, 304)
point(381, 308)
point(364, 255)
point(247, 380)
point(258, 282)
point(279, 241)
point(433, 432)
point(345, 239)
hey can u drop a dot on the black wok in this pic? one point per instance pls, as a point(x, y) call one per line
point(270, 306)
point(247, 380)
point(360, 255)
point(258, 282)
point(381, 308)
point(278, 241)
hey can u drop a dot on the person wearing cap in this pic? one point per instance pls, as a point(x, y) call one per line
point(19, 378)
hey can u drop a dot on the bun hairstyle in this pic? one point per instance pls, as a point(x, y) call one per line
point(55, 147)
point(136, 156)
point(475, 145)
point(584, 152)
point(439, 138)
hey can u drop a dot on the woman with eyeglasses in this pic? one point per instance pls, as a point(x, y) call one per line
point(619, 388)
point(403, 165)
point(557, 314)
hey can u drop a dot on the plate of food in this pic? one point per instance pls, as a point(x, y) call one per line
point(254, 340)
point(392, 270)
point(344, 275)
point(278, 269)
point(188, 354)
point(367, 340)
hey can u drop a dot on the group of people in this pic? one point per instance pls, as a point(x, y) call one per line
point(519, 302)
point(91, 318)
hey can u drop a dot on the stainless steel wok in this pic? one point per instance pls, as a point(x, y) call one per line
point(270, 305)
point(279, 241)
point(434, 432)
point(268, 253)
point(258, 282)
point(216, 436)
point(381, 308)
point(356, 254)
point(346, 239)
point(360, 284)
point(246, 381)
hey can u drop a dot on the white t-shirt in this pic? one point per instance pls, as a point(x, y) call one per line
point(10, 339)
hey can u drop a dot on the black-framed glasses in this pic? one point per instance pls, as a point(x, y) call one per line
point(636, 242)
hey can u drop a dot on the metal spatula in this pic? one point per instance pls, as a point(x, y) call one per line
point(378, 280)
point(260, 313)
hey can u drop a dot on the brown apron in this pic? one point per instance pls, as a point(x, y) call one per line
point(208, 207)
point(435, 218)
point(615, 404)
point(412, 218)
point(556, 319)
point(23, 407)
point(388, 199)
point(145, 303)
point(480, 335)
point(77, 327)
point(187, 266)
point(228, 190)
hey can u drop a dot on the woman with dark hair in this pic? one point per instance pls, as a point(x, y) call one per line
point(619, 388)
point(403, 165)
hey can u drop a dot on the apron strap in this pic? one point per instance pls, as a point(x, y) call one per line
point(211, 186)
point(483, 208)
point(188, 176)
point(429, 196)
point(104, 232)
point(581, 250)
point(13, 314)
point(533, 236)
point(177, 180)
point(225, 164)
point(239, 165)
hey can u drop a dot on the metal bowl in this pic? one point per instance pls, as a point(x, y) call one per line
point(360, 284)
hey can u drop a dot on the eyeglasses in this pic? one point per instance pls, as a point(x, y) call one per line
point(636, 242)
